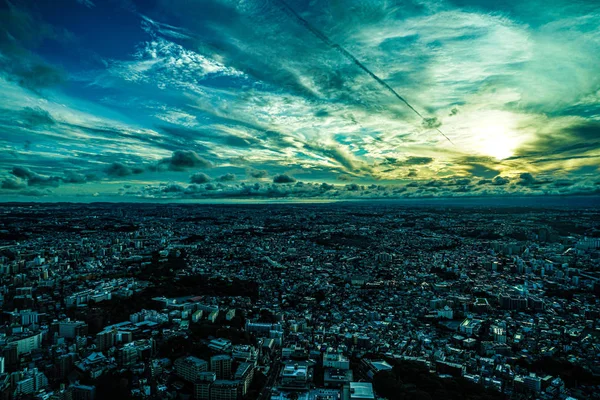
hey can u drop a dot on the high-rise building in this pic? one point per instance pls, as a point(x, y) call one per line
point(72, 329)
point(244, 374)
point(106, 339)
point(203, 384)
point(224, 390)
point(190, 368)
point(64, 365)
point(127, 356)
point(221, 366)
point(10, 354)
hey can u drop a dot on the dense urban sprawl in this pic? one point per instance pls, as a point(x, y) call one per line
point(298, 301)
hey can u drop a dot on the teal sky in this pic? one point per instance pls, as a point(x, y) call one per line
point(127, 100)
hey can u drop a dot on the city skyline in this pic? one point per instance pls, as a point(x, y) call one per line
point(126, 100)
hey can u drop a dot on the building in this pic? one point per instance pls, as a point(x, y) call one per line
point(361, 391)
point(72, 329)
point(106, 339)
point(337, 378)
point(262, 328)
point(82, 392)
point(470, 326)
point(335, 360)
point(244, 353)
point(222, 345)
point(244, 374)
point(127, 356)
point(221, 366)
point(533, 383)
point(27, 343)
point(224, 390)
point(203, 384)
point(295, 376)
point(449, 368)
point(189, 368)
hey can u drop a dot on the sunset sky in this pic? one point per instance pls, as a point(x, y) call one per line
point(125, 100)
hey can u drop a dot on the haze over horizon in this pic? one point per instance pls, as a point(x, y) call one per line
point(125, 100)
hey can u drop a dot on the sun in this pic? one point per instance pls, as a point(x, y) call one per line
point(497, 141)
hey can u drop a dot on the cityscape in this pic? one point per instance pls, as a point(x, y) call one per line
point(299, 301)
point(299, 199)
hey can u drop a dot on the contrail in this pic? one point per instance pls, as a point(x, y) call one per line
point(290, 11)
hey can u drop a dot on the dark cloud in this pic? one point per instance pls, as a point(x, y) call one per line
point(173, 188)
point(565, 144)
point(35, 192)
point(200, 178)
point(353, 187)
point(74, 177)
point(185, 159)
point(500, 181)
point(257, 173)
point(478, 166)
point(40, 180)
point(34, 179)
point(431, 123)
point(11, 183)
point(36, 116)
point(22, 172)
point(344, 177)
point(227, 178)
point(563, 183)
point(35, 76)
point(435, 183)
point(458, 182)
point(411, 173)
point(283, 178)
point(415, 161)
point(337, 154)
point(118, 169)
point(527, 179)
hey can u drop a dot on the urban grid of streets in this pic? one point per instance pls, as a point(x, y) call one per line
point(298, 301)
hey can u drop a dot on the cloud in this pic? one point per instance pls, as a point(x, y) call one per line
point(412, 160)
point(283, 178)
point(182, 160)
point(12, 184)
point(35, 192)
point(75, 177)
point(40, 180)
point(34, 179)
point(431, 123)
point(200, 178)
point(118, 169)
point(226, 178)
point(344, 177)
point(500, 181)
point(22, 172)
point(257, 173)
point(36, 116)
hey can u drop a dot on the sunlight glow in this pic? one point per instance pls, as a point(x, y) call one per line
point(497, 141)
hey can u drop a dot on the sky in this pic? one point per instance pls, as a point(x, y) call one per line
point(189, 100)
